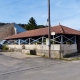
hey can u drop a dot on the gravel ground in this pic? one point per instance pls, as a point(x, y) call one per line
point(37, 68)
point(17, 55)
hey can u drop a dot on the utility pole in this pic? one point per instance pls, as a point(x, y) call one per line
point(49, 31)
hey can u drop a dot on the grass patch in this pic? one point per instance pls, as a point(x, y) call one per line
point(28, 54)
point(71, 59)
point(77, 58)
point(45, 56)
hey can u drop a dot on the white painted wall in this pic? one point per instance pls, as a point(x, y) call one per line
point(15, 46)
point(66, 48)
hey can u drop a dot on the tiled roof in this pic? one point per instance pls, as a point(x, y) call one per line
point(59, 29)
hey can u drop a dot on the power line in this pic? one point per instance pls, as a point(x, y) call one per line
point(11, 3)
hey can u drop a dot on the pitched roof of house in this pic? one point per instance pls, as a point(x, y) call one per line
point(59, 29)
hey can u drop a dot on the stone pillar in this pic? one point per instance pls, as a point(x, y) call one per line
point(19, 41)
point(42, 40)
point(75, 39)
point(29, 41)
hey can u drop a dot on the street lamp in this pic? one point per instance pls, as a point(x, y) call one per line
point(49, 31)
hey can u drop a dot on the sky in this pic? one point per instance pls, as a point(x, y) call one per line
point(65, 12)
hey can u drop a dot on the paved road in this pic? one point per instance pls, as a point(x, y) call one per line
point(38, 69)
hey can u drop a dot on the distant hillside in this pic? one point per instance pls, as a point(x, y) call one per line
point(25, 26)
point(1, 24)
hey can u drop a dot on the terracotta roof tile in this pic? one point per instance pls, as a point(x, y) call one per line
point(59, 29)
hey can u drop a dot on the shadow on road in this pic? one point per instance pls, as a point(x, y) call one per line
point(72, 55)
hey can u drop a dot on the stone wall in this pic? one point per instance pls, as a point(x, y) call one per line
point(43, 49)
point(69, 48)
point(6, 31)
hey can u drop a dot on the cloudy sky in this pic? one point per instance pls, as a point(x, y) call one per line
point(65, 12)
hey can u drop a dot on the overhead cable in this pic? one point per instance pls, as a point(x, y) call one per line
point(11, 3)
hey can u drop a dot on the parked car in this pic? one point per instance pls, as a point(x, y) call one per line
point(1, 47)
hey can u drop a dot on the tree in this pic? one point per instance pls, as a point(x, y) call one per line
point(31, 24)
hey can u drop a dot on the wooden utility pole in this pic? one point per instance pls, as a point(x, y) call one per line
point(49, 31)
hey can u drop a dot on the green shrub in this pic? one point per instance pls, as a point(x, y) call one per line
point(5, 48)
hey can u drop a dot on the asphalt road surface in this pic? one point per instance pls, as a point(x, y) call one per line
point(38, 69)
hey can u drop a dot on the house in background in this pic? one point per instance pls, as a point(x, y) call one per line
point(10, 29)
point(18, 29)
